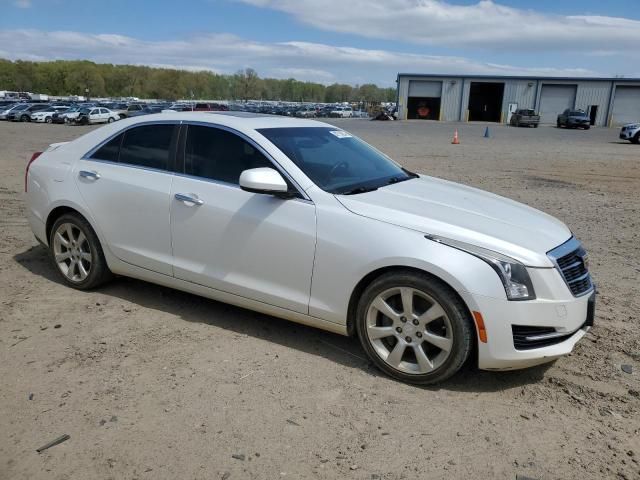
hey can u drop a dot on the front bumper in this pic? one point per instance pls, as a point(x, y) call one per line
point(569, 317)
point(627, 134)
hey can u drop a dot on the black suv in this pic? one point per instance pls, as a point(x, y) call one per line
point(574, 119)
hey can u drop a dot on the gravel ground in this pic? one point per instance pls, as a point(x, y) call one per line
point(152, 383)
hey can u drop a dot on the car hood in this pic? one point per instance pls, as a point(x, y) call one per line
point(439, 207)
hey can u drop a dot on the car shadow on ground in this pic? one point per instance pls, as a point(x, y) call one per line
point(343, 350)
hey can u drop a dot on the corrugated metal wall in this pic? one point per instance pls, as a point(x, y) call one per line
point(523, 91)
point(594, 93)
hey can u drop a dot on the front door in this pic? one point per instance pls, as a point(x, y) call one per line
point(126, 184)
point(252, 245)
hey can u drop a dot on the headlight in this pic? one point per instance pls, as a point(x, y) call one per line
point(513, 274)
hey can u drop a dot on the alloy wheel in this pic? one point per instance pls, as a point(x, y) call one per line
point(409, 330)
point(72, 252)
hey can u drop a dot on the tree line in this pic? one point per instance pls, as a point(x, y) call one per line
point(64, 78)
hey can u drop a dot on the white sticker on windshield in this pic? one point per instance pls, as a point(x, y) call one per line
point(341, 134)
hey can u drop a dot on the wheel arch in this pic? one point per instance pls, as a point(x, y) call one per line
point(373, 275)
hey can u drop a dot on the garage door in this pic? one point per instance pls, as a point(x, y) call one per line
point(425, 89)
point(626, 105)
point(554, 100)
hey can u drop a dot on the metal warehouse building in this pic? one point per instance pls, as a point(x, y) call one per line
point(608, 101)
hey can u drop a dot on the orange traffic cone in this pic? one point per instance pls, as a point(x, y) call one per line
point(456, 140)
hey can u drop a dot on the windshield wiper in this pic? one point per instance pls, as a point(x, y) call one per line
point(357, 190)
point(410, 173)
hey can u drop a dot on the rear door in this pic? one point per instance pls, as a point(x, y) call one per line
point(252, 245)
point(126, 184)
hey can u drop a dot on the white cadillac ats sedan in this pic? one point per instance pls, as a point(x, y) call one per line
point(302, 220)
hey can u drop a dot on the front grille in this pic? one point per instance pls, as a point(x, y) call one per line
point(571, 260)
point(524, 337)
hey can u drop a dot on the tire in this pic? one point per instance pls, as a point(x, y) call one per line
point(558, 124)
point(48, 120)
point(25, 118)
point(587, 128)
point(395, 351)
point(111, 120)
point(636, 139)
point(90, 269)
point(535, 125)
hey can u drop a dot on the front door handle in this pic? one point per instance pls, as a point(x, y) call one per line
point(189, 198)
point(90, 174)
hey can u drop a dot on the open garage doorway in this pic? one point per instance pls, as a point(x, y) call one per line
point(423, 108)
point(485, 102)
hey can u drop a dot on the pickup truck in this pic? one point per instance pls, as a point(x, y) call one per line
point(525, 118)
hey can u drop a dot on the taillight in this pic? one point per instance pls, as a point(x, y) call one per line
point(26, 173)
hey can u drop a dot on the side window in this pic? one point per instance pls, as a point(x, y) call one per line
point(110, 150)
point(220, 155)
point(147, 146)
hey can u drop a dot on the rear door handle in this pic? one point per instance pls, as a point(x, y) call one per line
point(90, 174)
point(189, 198)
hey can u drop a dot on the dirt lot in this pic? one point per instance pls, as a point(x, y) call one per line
point(156, 384)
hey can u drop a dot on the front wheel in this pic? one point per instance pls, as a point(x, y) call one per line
point(636, 138)
point(48, 120)
point(414, 328)
point(111, 120)
point(25, 118)
point(77, 254)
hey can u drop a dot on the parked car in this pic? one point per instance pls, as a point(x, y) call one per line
point(574, 119)
point(631, 132)
point(24, 114)
point(525, 118)
point(89, 116)
point(133, 108)
point(341, 112)
point(247, 210)
point(145, 111)
point(12, 108)
point(119, 108)
point(305, 112)
point(68, 116)
point(46, 116)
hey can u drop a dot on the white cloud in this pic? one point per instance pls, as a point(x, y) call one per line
point(228, 53)
point(485, 24)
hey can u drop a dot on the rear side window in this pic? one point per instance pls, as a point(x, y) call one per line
point(110, 150)
point(147, 146)
point(220, 155)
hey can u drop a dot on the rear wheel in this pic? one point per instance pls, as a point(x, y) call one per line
point(636, 138)
point(414, 328)
point(77, 254)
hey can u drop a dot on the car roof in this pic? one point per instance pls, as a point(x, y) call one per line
point(236, 120)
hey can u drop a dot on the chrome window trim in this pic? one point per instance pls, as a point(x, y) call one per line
point(87, 156)
point(560, 251)
point(130, 165)
point(254, 144)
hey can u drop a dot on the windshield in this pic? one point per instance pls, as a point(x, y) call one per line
point(577, 113)
point(335, 160)
point(84, 110)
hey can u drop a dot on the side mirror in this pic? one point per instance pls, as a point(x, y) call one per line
point(263, 180)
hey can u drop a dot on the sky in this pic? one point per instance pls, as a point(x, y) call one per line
point(327, 41)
